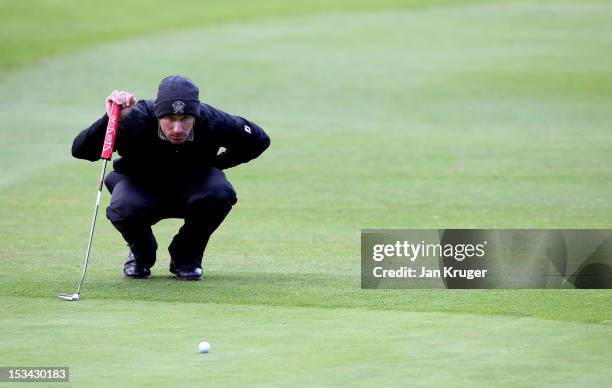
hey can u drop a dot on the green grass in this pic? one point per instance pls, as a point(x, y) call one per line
point(262, 345)
point(36, 29)
point(479, 114)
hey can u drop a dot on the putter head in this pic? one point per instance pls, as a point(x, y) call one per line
point(70, 297)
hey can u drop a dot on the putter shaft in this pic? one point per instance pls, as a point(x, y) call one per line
point(76, 296)
point(93, 225)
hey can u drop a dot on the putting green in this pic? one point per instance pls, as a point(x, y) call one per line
point(115, 343)
point(484, 115)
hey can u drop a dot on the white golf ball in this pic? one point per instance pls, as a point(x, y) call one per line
point(204, 347)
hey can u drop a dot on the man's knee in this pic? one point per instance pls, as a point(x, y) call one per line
point(222, 194)
point(128, 207)
point(127, 212)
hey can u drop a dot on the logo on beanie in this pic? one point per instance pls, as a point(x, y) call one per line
point(178, 107)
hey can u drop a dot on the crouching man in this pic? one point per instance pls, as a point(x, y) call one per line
point(170, 167)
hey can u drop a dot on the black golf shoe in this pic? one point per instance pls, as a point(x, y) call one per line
point(186, 272)
point(133, 270)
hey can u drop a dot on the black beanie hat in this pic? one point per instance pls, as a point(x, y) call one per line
point(177, 95)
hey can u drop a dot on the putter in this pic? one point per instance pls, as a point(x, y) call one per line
point(107, 154)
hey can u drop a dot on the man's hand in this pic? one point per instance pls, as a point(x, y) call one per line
point(125, 99)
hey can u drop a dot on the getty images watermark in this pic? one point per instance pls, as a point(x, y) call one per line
point(411, 251)
point(486, 258)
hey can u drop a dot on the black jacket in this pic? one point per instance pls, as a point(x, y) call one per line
point(144, 154)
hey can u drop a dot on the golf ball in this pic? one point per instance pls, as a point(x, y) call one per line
point(204, 347)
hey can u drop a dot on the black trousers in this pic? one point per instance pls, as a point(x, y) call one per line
point(203, 201)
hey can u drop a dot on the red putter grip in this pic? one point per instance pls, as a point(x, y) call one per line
point(111, 132)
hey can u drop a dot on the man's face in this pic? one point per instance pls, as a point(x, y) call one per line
point(177, 128)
